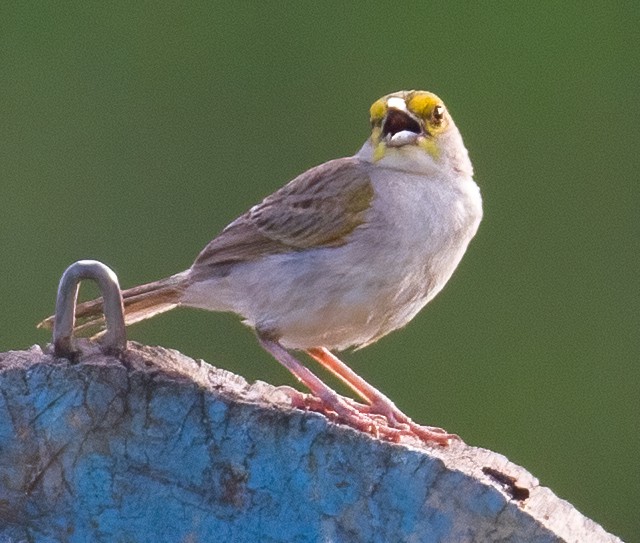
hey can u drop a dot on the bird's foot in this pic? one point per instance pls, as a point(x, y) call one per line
point(398, 420)
point(379, 421)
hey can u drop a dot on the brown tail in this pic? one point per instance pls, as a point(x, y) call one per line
point(140, 303)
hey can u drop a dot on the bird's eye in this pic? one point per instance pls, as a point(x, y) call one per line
point(438, 114)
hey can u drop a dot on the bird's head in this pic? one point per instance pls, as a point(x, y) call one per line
point(413, 130)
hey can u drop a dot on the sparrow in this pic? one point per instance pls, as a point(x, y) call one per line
point(343, 254)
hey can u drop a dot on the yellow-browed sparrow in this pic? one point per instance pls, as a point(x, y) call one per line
point(342, 255)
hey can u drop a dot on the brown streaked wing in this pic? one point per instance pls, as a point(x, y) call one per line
point(317, 209)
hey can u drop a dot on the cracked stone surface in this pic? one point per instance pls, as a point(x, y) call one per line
point(154, 446)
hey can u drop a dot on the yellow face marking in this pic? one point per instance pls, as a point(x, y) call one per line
point(379, 151)
point(378, 110)
point(430, 147)
point(423, 103)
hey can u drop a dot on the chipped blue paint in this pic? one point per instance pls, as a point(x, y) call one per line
point(105, 453)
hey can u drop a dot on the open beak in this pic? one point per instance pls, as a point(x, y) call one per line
point(400, 128)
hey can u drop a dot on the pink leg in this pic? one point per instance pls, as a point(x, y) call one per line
point(357, 415)
point(379, 403)
point(328, 397)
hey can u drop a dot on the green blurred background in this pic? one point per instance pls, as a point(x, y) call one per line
point(133, 133)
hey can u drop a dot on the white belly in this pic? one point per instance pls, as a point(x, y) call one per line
point(391, 266)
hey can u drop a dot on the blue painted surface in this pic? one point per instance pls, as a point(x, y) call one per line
point(105, 453)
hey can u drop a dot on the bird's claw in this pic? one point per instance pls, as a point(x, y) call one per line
point(389, 425)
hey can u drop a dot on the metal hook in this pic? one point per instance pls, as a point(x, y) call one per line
point(115, 338)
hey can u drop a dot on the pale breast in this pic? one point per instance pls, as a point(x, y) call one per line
point(408, 248)
point(424, 226)
point(403, 253)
